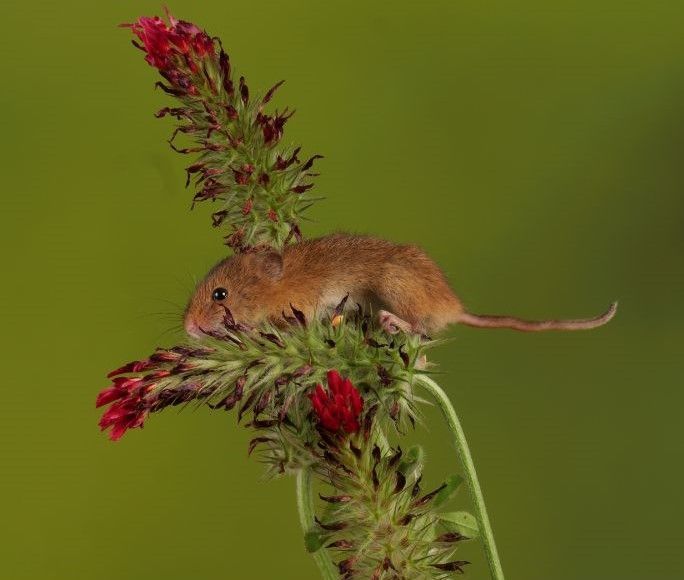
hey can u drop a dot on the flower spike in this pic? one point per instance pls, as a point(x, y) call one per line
point(241, 162)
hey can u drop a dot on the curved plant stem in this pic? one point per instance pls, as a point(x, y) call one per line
point(461, 444)
point(305, 506)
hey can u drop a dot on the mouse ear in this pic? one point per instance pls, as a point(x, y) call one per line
point(271, 263)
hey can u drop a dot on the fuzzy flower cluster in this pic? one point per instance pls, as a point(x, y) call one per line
point(377, 518)
point(130, 399)
point(260, 188)
point(271, 370)
point(340, 407)
point(307, 414)
point(173, 47)
point(126, 407)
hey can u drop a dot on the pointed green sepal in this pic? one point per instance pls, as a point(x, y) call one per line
point(451, 485)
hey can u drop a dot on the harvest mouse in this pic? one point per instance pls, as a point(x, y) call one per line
point(399, 282)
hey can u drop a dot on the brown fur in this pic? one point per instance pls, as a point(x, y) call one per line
point(315, 275)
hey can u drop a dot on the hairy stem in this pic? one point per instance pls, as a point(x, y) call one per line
point(305, 506)
point(461, 444)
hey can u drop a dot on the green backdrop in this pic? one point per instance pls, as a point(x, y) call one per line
point(533, 148)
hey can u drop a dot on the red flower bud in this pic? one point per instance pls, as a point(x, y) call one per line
point(127, 409)
point(121, 387)
point(132, 367)
point(127, 414)
point(340, 407)
point(231, 112)
point(244, 91)
point(176, 49)
point(301, 188)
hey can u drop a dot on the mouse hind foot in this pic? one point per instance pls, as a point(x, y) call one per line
point(392, 324)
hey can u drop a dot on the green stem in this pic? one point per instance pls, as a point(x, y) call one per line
point(461, 444)
point(305, 505)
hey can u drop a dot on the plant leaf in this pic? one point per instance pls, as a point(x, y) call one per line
point(462, 522)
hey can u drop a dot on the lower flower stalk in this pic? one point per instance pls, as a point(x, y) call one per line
point(473, 483)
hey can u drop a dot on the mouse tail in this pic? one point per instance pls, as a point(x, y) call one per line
point(487, 321)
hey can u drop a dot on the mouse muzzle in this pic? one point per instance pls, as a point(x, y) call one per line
point(199, 322)
point(191, 328)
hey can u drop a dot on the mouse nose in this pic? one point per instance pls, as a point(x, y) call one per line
point(192, 329)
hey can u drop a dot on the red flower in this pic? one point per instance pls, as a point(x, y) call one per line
point(132, 367)
point(130, 399)
point(127, 409)
point(120, 389)
point(338, 408)
point(171, 46)
point(123, 415)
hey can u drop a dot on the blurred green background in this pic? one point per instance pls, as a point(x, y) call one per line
point(533, 148)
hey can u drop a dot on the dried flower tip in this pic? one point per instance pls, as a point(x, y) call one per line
point(302, 371)
point(374, 476)
point(272, 338)
point(404, 356)
point(429, 496)
point(299, 315)
point(135, 366)
point(346, 566)
point(384, 376)
point(339, 309)
point(341, 545)
point(368, 421)
point(395, 458)
point(455, 566)
point(256, 441)
point(416, 487)
point(395, 410)
point(401, 482)
point(450, 537)
point(263, 402)
point(269, 94)
point(331, 527)
point(335, 498)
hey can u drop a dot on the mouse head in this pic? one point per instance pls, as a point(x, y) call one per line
point(242, 284)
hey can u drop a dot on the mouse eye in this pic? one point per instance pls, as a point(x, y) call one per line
point(219, 294)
